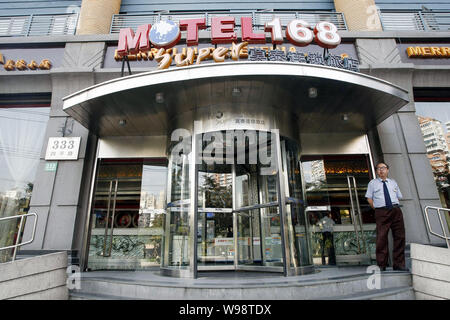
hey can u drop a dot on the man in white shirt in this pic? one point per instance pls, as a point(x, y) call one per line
point(383, 195)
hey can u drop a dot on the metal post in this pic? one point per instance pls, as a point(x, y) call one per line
point(125, 59)
point(17, 238)
point(29, 25)
point(167, 216)
point(235, 214)
point(381, 19)
point(352, 211)
point(107, 218)
point(112, 24)
point(113, 217)
point(89, 219)
point(289, 210)
point(443, 229)
point(282, 205)
point(358, 208)
point(422, 20)
point(193, 179)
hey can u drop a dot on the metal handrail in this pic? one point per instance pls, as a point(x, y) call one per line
point(120, 21)
point(356, 214)
point(15, 246)
point(38, 25)
point(415, 20)
point(438, 210)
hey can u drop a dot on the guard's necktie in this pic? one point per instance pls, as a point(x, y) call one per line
point(387, 197)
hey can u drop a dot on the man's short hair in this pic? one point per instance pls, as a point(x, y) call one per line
point(387, 166)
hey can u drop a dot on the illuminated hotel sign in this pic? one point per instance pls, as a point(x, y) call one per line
point(159, 43)
point(428, 52)
point(21, 64)
point(30, 58)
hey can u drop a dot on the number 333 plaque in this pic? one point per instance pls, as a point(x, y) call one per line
point(63, 148)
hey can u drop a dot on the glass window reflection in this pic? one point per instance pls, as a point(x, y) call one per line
point(22, 132)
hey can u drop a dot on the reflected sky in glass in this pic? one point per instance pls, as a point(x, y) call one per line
point(22, 133)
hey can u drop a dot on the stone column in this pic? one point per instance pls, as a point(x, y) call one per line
point(360, 15)
point(400, 138)
point(96, 15)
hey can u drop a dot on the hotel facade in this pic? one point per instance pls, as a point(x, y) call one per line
point(217, 136)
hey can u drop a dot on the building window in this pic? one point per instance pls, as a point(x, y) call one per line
point(128, 214)
point(23, 121)
point(433, 114)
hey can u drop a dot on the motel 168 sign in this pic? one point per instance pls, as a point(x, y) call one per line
point(157, 41)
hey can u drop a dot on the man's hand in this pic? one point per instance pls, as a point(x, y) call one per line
point(370, 201)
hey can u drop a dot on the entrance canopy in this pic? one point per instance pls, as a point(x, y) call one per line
point(324, 99)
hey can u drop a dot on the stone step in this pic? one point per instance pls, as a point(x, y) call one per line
point(91, 296)
point(400, 293)
point(344, 287)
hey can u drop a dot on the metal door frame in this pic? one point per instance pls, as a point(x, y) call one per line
point(281, 203)
point(235, 211)
point(114, 181)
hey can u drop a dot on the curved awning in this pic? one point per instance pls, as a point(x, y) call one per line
point(366, 100)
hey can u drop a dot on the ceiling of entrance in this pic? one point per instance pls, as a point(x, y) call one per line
point(346, 101)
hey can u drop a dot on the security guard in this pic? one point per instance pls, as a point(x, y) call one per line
point(383, 195)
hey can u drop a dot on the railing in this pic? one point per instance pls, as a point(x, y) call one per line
point(16, 245)
point(415, 20)
point(120, 21)
point(443, 228)
point(38, 25)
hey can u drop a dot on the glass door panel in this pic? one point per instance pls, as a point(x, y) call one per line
point(249, 240)
point(150, 221)
point(176, 230)
point(335, 184)
point(299, 229)
point(247, 220)
point(215, 241)
point(127, 214)
point(271, 233)
point(259, 240)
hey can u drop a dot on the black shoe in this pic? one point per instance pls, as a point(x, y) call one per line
point(382, 268)
point(401, 269)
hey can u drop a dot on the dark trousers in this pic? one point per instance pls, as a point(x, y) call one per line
point(390, 219)
point(329, 245)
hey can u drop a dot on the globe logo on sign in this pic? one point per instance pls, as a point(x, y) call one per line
point(165, 34)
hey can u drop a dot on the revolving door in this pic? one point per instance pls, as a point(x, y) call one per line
point(235, 202)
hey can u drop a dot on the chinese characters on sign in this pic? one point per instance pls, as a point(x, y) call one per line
point(242, 51)
point(331, 60)
point(63, 148)
point(21, 64)
point(246, 120)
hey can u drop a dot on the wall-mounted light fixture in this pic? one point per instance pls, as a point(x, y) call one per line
point(159, 97)
point(312, 92)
